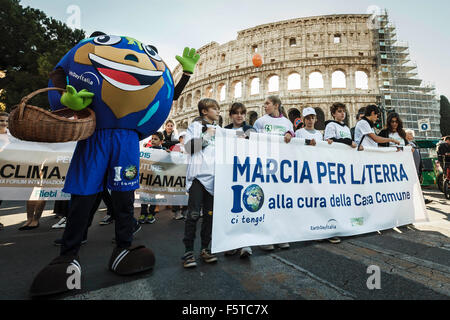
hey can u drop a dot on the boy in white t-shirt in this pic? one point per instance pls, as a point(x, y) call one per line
point(337, 131)
point(200, 146)
point(308, 133)
point(365, 134)
point(273, 122)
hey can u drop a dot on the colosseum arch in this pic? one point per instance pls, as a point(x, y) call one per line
point(188, 101)
point(180, 104)
point(320, 123)
point(254, 86)
point(315, 80)
point(338, 79)
point(197, 97)
point(293, 114)
point(362, 79)
point(222, 92)
point(273, 83)
point(236, 88)
point(294, 81)
point(209, 92)
point(252, 117)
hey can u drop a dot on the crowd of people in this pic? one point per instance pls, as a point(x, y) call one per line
point(198, 142)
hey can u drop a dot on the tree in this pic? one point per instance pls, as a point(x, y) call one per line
point(445, 116)
point(32, 44)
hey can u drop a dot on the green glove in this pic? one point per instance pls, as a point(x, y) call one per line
point(76, 100)
point(189, 60)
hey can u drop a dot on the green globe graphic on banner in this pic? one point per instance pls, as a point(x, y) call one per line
point(253, 198)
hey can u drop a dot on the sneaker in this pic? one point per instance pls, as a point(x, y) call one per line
point(231, 252)
point(106, 220)
point(246, 252)
point(189, 260)
point(61, 224)
point(427, 201)
point(150, 219)
point(283, 245)
point(269, 247)
point(1, 226)
point(178, 216)
point(142, 218)
point(58, 242)
point(334, 240)
point(207, 256)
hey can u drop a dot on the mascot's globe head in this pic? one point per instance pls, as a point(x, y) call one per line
point(132, 84)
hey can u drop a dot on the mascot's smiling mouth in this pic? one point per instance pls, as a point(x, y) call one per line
point(124, 76)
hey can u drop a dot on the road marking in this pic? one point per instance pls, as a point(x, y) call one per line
point(404, 256)
point(313, 276)
point(266, 276)
point(391, 262)
point(423, 238)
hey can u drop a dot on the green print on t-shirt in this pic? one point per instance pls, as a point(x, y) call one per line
point(274, 129)
point(344, 134)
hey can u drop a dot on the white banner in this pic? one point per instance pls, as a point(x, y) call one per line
point(36, 171)
point(162, 177)
point(269, 192)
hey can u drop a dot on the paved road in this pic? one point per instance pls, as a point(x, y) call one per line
point(414, 263)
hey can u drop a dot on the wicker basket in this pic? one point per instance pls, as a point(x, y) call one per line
point(30, 123)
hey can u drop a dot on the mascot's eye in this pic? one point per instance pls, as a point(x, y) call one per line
point(107, 40)
point(152, 52)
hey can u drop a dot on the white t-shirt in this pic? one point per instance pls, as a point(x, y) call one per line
point(270, 125)
point(201, 164)
point(337, 131)
point(362, 129)
point(309, 134)
point(397, 137)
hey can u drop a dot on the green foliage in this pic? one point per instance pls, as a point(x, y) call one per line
point(32, 44)
point(445, 116)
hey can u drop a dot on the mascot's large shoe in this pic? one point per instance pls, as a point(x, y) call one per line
point(57, 277)
point(132, 260)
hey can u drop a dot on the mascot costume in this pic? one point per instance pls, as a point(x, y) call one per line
point(131, 90)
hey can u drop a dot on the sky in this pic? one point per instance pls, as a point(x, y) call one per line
point(171, 25)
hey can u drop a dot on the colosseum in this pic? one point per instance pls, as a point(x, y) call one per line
point(312, 61)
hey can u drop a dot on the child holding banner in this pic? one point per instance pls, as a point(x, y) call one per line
point(273, 122)
point(337, 131)
point(148, 213)
point(365, 134)
point(237, 114)
point(309, 133)
point(200, 146)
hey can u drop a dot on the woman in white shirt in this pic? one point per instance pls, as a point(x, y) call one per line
point(394, 130)
point(365, 134)
point(273, 122)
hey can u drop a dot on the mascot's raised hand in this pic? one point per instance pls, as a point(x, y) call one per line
point(76, 100)
point(188, 60)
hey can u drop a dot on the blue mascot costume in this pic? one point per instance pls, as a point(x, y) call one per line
point(131, 90)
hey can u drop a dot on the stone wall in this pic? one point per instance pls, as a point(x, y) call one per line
point(324, 44)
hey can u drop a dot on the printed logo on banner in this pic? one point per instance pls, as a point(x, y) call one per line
point(331, 225)
point(357, 222)
point(252, 198)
